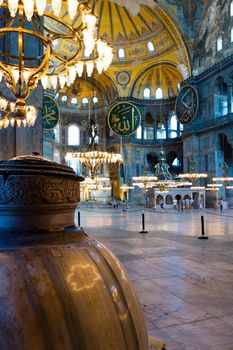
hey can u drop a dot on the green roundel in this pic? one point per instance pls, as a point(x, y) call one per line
point(50, 113)
point(124, 118)
point(187, 104)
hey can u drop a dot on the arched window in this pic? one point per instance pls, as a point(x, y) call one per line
point(231, 34)
point(150, 46)
point(219, 43)
point(146, 93)
point(85, 101)
point(56, 96)
point(178, 86)
point(121, 53)
point(64, 99)
point(159, 93)
point(56, 156)
point(231, 9)
point(73, 135)
point(171, 92)
point(95, 100)
point(74, 101)
point(139, 132)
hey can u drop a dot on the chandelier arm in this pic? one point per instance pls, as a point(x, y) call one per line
point(20, 85)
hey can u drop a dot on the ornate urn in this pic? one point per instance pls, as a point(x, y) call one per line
point(59, 289)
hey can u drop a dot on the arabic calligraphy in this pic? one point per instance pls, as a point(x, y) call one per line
point(50, 113)
point(187, 104)
point(124, 118)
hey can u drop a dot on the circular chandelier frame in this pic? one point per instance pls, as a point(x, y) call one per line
point(31, 18)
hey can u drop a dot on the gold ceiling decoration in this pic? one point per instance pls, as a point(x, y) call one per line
point(39, 22)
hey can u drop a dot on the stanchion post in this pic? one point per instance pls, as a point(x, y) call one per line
point(79, 219)
point(143, 224)
point(203, 236)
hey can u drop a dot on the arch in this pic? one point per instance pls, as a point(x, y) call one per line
point(169, 199)
point(152, 159)
point(159, 198)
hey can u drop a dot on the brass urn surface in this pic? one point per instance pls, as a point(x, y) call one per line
point(59, 289)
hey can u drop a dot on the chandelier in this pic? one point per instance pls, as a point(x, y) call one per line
point(94, 159)
point(40, 21)
point(8, 117)
point(145, 181)
point(193, 176)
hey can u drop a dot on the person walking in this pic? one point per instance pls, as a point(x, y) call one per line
point(221, 204)
point(124, 208)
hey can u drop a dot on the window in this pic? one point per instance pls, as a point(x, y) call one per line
point(146, 93)
point(219, 43)
point(148, 133)
point(64, 99)
point(150, 46)
point(161, 133)
point(56, 133)
point(121, 53)
point(74, 163)
point(173, 122)
point(220, 105)
point(178, 86)
point(74, 101)
point(85, 101)
point(56, 96)
point(73, 135)
point(159, 93)
point(231, 9)
point(171, 92)
point(176, 162)
point(139, 132)
point(95, 100)
point(231, 34)
point(56, 156)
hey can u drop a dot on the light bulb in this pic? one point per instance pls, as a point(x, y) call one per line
point(40, 5)
point(72, 8)
point(56, 5)
point(29, 8)
point(79, 68)
point(13, 7)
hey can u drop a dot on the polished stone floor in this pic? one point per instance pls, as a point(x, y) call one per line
point(184, 284)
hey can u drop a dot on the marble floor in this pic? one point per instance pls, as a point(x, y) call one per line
point(184, 284)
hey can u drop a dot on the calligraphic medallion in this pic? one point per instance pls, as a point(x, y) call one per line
point(124, 118)
point(50, 113)
point(187, 104)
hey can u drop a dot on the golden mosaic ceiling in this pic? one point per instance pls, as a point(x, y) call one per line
point(117, 26)
point(164, 76)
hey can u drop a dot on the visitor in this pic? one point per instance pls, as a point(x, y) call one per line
point(124, 208)
point(114, 203)
point(175, 204)
point(161, 205)
point(221, 204)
